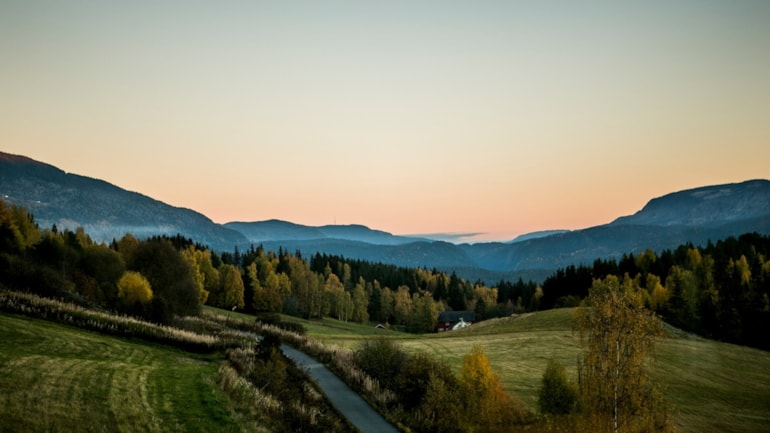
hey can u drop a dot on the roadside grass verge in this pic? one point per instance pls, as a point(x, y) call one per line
point(60, 378)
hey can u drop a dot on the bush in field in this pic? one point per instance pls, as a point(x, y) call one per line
point(381, 359)
point(415, 374)
point(557, 396)
point(429, 397)
point(488, 406)
point(442, 392)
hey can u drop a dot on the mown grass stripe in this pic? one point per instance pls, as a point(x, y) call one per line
point(58, 378)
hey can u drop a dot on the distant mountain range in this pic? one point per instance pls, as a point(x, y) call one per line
point(107, 212)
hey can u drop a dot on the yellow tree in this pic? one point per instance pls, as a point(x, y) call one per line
point(266, 285)
point(658, 294)
point(335, 297)
point(402, 305)
point(489, 408)
point(207, 269)
point(386, 302)
point(231, 287)
point(134, 288)
point(189, 255)
point(26, 226)
point(618, 334)
point(424, 313)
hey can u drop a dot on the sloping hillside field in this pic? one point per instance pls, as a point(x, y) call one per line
point(57, 378)
point(716, 387)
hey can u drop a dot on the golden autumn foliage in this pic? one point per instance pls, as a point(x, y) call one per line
point(488, 407)
point(134, 288)
point(230, 291)
point(619, 333)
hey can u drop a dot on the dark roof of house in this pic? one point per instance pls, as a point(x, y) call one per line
point(455, 316)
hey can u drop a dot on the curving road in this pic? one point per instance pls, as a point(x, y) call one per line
point(347, 401)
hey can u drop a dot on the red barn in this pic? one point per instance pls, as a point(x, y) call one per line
point(451, 320)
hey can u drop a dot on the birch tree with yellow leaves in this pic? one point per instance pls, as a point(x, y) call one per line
point(618, 334)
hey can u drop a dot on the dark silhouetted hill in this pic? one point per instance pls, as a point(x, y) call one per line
point(275, 230)
point(104, 210)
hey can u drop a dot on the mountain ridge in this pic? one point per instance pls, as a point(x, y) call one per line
point(703, 206)
point(106, 212)
point(276, 230)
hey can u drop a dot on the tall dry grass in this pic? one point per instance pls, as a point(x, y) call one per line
point(107, 323)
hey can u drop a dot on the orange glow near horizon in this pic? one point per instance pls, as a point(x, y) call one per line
point(495, 119)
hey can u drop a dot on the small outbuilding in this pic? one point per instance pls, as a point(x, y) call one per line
point(452, 320)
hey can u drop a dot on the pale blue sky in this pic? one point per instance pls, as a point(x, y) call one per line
point(410, 117)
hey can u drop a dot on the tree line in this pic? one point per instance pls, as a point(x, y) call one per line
point(159, 277)
point(720, 291)
point(149, 278)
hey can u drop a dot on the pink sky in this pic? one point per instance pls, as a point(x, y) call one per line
point(486, 117)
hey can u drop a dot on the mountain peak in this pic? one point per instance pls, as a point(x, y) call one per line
point(16, 159)
point(705, 206)
point(104, 210)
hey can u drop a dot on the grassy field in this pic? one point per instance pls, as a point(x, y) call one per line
point(716, 387)
point(60, 379)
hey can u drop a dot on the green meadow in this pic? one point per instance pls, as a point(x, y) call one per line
point(715, 387)
point(56, 378)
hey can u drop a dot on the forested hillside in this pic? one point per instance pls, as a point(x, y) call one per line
point(160, 277)
point(719, 291)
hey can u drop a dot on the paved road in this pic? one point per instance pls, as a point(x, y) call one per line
point(347, 401)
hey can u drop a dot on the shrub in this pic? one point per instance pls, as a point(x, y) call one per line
point(557, 395)
point(381, 359)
